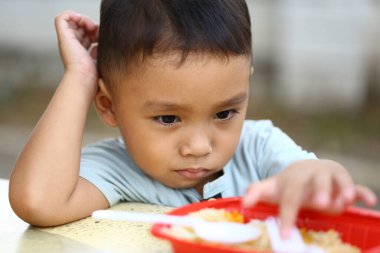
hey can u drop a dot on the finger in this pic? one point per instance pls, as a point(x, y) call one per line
point(322, 197)
point(91, 28)
point(62, 21)
point(366, 195)
point(87, 23)
point(290, 203)
point(81, 25)
point(80, 33)
point(337, 205)
point(361, 193)
point(83, 29)
point(264, 190)
point(344, 185)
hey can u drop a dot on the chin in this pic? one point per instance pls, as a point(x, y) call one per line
point(181, 186)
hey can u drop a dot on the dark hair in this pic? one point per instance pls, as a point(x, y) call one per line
point(132, 30)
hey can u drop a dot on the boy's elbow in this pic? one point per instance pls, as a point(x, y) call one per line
point(32, 210)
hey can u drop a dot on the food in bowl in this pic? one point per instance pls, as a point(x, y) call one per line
point(330, 241)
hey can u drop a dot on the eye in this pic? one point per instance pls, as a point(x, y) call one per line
point(225, 115)
point(167, 120)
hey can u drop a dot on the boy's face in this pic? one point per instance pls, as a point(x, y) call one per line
point(181, 125)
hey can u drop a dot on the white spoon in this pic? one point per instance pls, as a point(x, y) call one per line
point(222, 232)
point(294, 244)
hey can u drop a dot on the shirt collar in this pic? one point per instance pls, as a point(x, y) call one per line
point(217, 186)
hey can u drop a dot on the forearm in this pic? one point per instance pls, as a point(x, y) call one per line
point(46, 172)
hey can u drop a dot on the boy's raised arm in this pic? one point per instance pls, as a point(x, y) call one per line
point(45, 187)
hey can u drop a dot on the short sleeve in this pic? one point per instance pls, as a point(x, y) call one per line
point(100, 165)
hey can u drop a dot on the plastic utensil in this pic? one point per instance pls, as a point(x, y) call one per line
point(221, 232)
point(293, 244)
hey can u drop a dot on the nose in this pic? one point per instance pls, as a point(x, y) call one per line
point(198, 144)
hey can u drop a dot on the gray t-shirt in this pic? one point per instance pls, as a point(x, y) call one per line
point(263, 151)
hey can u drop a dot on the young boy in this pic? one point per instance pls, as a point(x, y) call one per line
point(173, 76)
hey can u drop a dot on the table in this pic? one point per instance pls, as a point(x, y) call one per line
point(85, 236)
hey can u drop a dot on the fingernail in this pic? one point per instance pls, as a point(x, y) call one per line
point(349, 194)
point(322, 199)
point(372, 199)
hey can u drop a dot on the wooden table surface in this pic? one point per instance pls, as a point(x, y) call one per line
point(86, 235)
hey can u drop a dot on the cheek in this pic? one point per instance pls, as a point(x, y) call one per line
point(228, 143)
point(225, 145)
point(148, 150)
point(230, 139)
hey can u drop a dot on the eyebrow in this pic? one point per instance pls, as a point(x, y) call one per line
point(237, 99)
point(164, 105)
point(161, 105)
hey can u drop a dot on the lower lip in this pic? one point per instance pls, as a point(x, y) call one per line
point(191, 174)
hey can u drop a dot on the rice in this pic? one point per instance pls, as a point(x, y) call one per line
point(329, 241)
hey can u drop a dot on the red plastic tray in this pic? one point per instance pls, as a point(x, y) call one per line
point(360, 227)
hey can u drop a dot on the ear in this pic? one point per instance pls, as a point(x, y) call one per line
point(104, 105)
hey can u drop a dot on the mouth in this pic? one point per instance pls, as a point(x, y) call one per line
point(193, 173)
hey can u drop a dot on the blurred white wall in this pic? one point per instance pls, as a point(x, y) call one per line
point(28, 45)
point(29, 24)
point(323, 53)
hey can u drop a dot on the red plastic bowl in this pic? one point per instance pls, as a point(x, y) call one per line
point(360, 227)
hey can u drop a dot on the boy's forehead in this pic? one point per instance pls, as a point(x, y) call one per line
point(178, 61)
point(138, 72)
point(185, 88)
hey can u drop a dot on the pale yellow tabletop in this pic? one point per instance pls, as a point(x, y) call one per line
point(86, 235)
